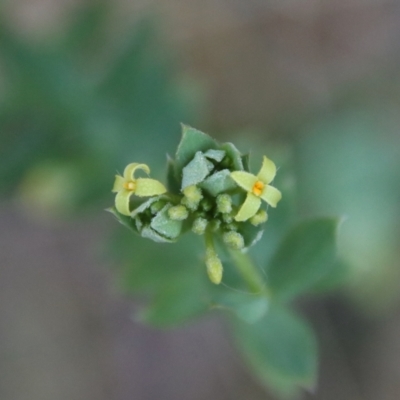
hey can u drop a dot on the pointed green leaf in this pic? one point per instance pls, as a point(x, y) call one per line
point(196, 171)
point(305, 256)
point(124, 219)
point(216, 155)
point(151, 234)
point(251, 234)
point(177, 301)
point(192, 141)
point(247, 306)
point(281, 348)
point(145, 205)
point(219, 182)
point(234, 155)
point(173, 184)
point(165, 226)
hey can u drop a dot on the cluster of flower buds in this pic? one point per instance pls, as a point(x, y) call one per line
point(210, 191)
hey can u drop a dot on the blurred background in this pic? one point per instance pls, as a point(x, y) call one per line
point(89, 86)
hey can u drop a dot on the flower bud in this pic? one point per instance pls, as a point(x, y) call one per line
point(214, 265)
point(233, 239)
point(215, 225)
point(260, 217)
point(178, 213)
point(192, 197)
point(199, 225)
point(224, 203)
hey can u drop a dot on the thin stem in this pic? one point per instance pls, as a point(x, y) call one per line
point(249, 273)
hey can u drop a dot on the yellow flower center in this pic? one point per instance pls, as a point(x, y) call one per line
point(258, 188)
point(130, 185)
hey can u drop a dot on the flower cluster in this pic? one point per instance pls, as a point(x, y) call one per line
point(210, 192)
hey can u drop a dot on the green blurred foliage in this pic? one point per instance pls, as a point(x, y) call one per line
point(78, 108)
point(349, 164)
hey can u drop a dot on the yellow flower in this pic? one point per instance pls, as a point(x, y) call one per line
point(257, 188)
point(127, 185)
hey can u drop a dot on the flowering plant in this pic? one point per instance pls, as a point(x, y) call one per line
point(211, 192)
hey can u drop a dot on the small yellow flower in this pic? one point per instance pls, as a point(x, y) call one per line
point(257, 188)
point(127, 185)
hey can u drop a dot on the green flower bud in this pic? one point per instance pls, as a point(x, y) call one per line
point(199, 225)
point(234, 240)
point(214, 265)
point(227, 218)
point(224, 203)
point(193, 196)
point(178, 213)
point(260, 217)
point(232, 226)
point(215, 225)
point(206, 205)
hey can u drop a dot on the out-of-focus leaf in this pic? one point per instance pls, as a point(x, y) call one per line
point(87, 32)
point(249, 307)
point(177, 301)
point(334, 279)
point(306, 255)
point(146, 266)
point(281, 348)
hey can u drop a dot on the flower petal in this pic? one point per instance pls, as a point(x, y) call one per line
point(118, 184)
point(268, 171)
point(249, 208)
point(271, 195)
point(146, 187)
point(244, 179)
point(129, 172)
point(122, 201)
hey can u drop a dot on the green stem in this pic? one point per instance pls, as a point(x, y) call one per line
point(249, 273)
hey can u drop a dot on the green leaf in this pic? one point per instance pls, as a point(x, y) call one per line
point(192, 141)
point(305, 256)
point(216, 155)
point(177, 301)
point(151, 234)
point(164, 225)
point(196, 171)
point(124, 219)
point(141, 207)
point(234, 155)
point(281, 348)
point(218, 183)
point(147, 267)
point(173, 184)
point(334, 279)
point(247, 306)
point(251, 234)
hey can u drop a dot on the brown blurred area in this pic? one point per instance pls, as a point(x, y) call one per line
point(67, 333)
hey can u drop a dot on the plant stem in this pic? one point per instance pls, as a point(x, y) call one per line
point(249, 273)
